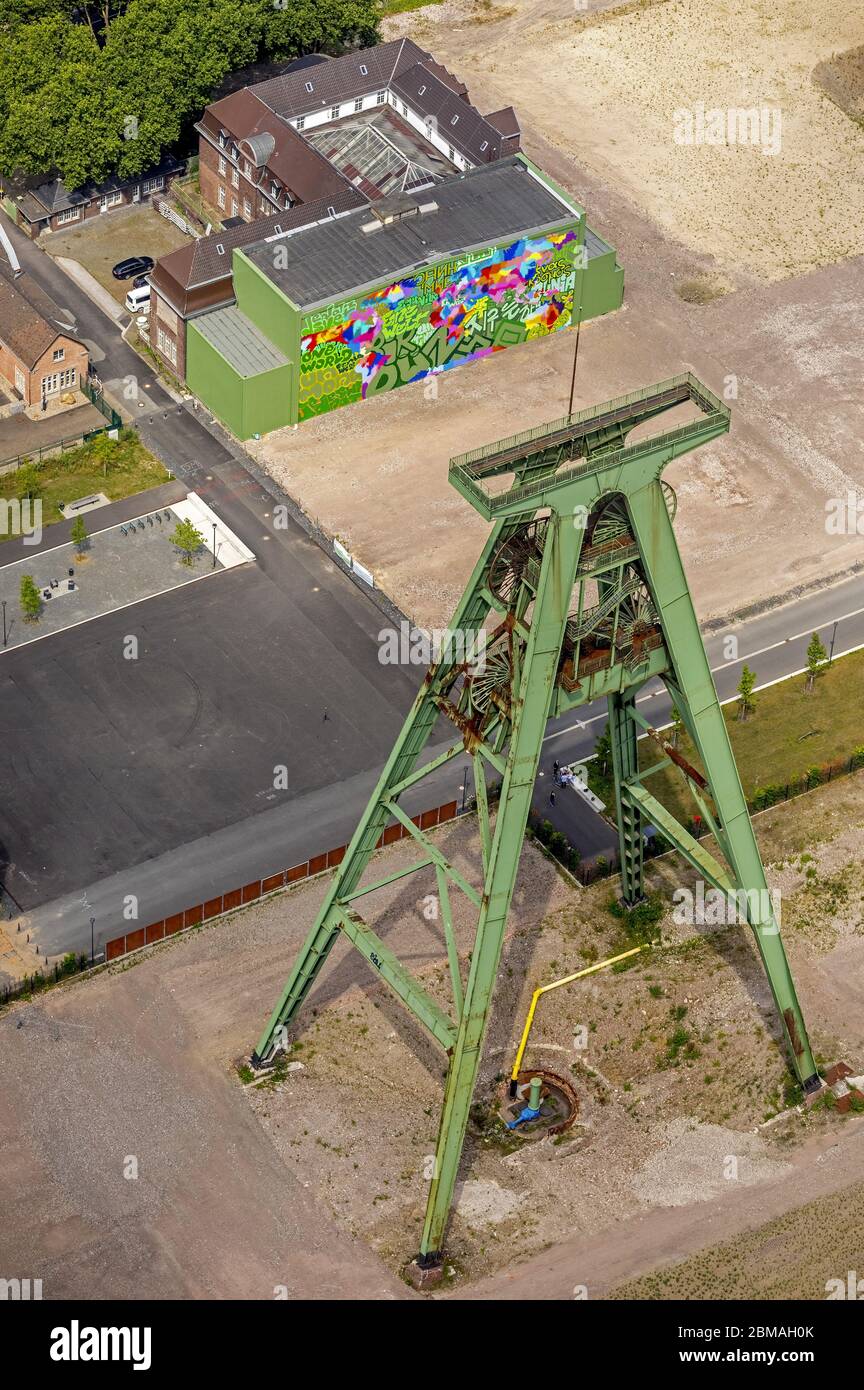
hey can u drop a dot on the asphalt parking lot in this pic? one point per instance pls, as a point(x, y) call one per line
point(106, 762)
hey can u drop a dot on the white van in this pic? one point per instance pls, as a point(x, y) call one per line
point(139, 299)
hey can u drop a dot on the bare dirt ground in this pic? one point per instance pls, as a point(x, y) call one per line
point(131, 231)
point(316, 1181)
point(688, 223)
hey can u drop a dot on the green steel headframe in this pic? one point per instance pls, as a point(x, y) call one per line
point(582, 593)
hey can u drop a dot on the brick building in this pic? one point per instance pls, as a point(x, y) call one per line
point(37, 358)
point(49, 206)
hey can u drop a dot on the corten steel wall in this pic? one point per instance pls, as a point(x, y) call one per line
point(459, 310)
point(239, 897)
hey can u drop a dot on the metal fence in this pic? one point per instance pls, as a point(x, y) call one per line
point(71, 441)
point(605, 866)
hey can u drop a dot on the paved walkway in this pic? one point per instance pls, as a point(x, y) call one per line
point(19, 435)
point(91, 287)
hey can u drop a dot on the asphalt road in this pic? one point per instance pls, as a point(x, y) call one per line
point(324, 809)
point(774, 646)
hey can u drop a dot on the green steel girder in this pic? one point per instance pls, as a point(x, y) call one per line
point(568, 470)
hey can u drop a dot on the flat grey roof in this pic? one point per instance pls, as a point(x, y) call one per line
point(237, 339)
point(500, 200)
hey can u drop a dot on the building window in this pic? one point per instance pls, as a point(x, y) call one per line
point(421, 90)
point(247, 208)
point(58, 381)
point(70, 215)
point(484, 146)
point(235, 207)
point(222, 165)
point(235, 178)
point(451, 152)
point(289, 202)
point(58, 354)
point(309, 87)
point(334, 112)
point(380, 98)
point(332, 211)
point(301, 121)
point(220, 196)
point(262, 206)
point(222, 139)
point(364, 69)
point(166, 346)
point(404, 109)
point(358, 105)
point(455, 120)
point(247, 168)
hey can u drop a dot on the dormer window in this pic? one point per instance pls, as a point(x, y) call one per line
point(332, 211)
point(364, 69)
point(301, 121)
point(220, 249)
point(309, 87)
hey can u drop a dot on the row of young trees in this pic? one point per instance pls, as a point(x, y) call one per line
point(92, 89)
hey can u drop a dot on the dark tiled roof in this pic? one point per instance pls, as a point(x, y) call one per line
point(459, 123)
point(293, 162)
point(503, 200)
point(339, 79)
point(27, 317)
point(410, 72)
point(506, 121)
point(45, 199)
point(202, 262)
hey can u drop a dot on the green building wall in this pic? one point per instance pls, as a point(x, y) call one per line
point(248, 405)
point(456, 311)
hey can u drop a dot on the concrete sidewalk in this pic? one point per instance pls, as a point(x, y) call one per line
point(91, 287)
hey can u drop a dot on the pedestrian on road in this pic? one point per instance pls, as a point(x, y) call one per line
point(552, 798)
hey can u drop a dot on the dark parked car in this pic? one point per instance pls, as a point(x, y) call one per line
point(135, 265)
point(139, 282)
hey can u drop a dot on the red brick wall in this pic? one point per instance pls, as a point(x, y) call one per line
point(211, 180)
point(163, 317)
point(74, 355)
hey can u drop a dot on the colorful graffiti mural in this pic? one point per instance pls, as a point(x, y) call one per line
point(457, 311)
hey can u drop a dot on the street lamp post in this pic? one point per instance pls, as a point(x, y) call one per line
point(4, 623)
point(92, 949)
point(830, 654)
point(214, 545)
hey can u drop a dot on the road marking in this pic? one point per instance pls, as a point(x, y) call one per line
point(796, 638)
point(790, 675)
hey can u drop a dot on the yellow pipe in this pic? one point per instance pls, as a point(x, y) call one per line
point(556, 984)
